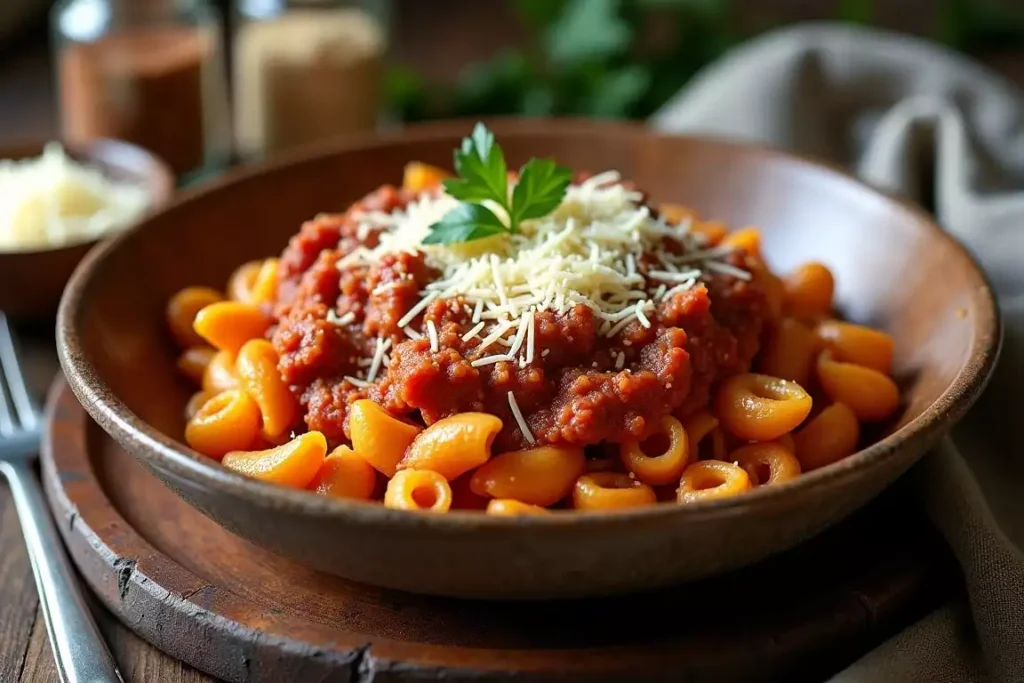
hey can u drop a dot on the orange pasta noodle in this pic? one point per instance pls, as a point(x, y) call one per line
point(264, 286)
point(661, 457)
point(700, 426)
point(513, 508)
point(220, 374)
point(871, 396)
point(454, 445)
point(182, 310)
point(345, 475)
point(418, 490)
point(857, 344)
point(538, 476)
point(789, 351)
point(419, 176)
point(258, 375)
point(293, 464)
point(767, 463)
point(747, 239)
point(761, 408)
point(241, 282)
point(227, 325)
point(711, 479)
point(230, 421)
point(809, 290)
point(831, 436)
point(379, 437)
point(193, 361)
point(611, 491)
point(195, 402)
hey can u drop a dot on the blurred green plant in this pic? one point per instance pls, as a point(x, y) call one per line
point(980, 25)
point(625, 58)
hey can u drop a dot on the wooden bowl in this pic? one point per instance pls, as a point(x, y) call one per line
point(895, 269)
point(31, 282)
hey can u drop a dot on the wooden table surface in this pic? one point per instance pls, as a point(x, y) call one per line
point(27, 113)
point(25, 655)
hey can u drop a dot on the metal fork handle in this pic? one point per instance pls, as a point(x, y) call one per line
point(82, 656)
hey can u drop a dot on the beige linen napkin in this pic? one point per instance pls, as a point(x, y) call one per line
point(917, 119)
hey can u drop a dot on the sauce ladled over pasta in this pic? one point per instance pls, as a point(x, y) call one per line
point(601, 353)
point(581, 368)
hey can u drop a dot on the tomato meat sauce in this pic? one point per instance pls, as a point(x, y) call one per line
point(580, 388)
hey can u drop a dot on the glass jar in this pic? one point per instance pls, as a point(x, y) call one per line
point(306, 70)
point(149, 72)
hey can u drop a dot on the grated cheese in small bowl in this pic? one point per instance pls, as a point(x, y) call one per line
point(53, 201)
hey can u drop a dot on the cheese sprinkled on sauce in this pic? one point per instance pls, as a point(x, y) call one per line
point(600, 248)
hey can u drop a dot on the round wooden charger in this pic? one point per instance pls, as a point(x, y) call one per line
point(242, 613)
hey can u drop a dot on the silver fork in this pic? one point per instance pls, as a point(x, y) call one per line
point(78, 647)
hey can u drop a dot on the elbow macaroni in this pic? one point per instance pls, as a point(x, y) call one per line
point(670, 457)
point(610, 491)
point(378, 437)
point(453, 446)
point(418, 490)
point(755, 432)
point(761, 408)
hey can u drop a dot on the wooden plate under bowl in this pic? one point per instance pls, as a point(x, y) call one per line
point(895, 270)
point(241, 613)
point(31, 282)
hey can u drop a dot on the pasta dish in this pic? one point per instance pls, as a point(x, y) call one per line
point(521, 341)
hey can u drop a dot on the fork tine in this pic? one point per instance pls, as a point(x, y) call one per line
point(6, 416)
point(16, 386)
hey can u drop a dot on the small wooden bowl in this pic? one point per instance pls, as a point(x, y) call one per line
point(31, 282)
point(895, 269)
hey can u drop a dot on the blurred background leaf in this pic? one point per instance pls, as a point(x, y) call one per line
point(856, 11)
point(587, 31)
point(626, 58)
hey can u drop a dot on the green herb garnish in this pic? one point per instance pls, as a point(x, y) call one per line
point(482, 176)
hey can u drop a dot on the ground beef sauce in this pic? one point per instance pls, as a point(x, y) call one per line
point(329, 321)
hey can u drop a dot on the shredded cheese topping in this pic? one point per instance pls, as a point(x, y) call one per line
point(52, 200)
point(587, 252)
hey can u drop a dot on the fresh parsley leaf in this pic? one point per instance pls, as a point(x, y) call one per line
point(541, 187)
point(483, 176)
point(464, 223)
point(482, 170)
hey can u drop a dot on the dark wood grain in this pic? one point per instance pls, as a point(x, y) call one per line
point(139, 661)
point(17, 592)
point(230, 608)
point(39, 665)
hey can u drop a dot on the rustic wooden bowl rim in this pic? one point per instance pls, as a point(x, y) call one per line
point(159, 183)
point(165, 453)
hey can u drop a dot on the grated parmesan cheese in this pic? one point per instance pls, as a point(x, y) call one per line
point(378, 358)
point(518, 415)
point(432, 333)
point(346, 319)
point(490, 360)
point(52, 201)
point(592, 250)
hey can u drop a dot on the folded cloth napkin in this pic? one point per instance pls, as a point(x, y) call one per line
point(914, 118)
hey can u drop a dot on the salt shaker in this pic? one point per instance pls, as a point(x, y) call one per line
point(149, 72)
point(305, 71)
